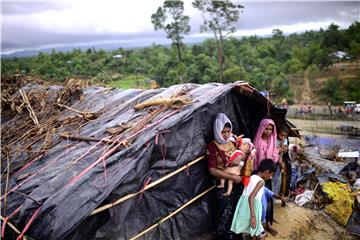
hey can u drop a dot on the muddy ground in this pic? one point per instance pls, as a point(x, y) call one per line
point(299, 223)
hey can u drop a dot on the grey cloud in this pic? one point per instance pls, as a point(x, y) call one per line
point(13, 8)
point(25, 37)
point(255, 15)
point(267, 14)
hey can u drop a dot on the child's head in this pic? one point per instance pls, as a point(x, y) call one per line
point(245, 147)
point(267, 168)
point(283, 133)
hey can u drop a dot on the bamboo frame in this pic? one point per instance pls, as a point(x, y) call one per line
point(172, 214)
point(131, 195)
point(12, 226)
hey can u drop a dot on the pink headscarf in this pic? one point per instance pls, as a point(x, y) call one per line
point(265, 148)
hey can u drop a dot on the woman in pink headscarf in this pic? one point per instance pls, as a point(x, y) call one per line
point(265, 142)
point(266, 148)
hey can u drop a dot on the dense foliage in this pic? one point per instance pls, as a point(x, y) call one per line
point(267, 63)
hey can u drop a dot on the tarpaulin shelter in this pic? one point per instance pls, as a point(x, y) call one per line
point(126, 172)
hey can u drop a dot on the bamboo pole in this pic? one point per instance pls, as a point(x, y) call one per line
point(74, 110)
point(122, 199)
point(29, 108)
point(172, 214)
point(87, 115)
point(12, 226)
point(86, 139)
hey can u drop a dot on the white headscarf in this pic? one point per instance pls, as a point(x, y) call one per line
point(219, 124)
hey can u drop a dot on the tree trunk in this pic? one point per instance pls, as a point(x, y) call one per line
point(217, 48)
point(178, 48)
point(221, 57)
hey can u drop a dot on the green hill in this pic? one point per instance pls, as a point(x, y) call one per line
point(299, 67)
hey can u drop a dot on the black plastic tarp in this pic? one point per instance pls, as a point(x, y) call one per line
point(64, 199)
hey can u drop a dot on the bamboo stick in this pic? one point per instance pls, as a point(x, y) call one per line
point(172, 214)
point(86, 115)
point(74, 110)
point(126, 197)
point(12, 226)
point(87, 139)
point(29, 108)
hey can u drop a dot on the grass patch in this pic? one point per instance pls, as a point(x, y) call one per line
point(130, 81)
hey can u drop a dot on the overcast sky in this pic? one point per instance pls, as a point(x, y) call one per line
point(31, 24)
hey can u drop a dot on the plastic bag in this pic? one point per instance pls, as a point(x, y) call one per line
point(343, 201)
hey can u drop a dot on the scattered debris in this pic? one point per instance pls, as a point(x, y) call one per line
point(304, 197)
point(327, 184)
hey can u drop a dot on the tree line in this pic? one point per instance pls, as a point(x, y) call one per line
point(267, 63)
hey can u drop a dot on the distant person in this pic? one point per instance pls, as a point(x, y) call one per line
point(329, 106)
point(302, 111)
point(284, 104)
point(348, 109)
point(297, 111)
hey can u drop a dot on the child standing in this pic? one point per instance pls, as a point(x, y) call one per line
point(282, 145)
point(282, 142)
point(247, 216)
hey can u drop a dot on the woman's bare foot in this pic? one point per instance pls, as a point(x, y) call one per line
point(272, 231)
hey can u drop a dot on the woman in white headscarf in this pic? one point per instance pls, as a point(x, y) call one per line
point(218, 153)
point(224, 143)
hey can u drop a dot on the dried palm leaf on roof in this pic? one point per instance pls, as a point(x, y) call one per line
point(167, 102)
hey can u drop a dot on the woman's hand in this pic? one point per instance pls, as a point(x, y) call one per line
point(236, 179)
point(281, 164)
point(253, 222)
point(283, 149)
